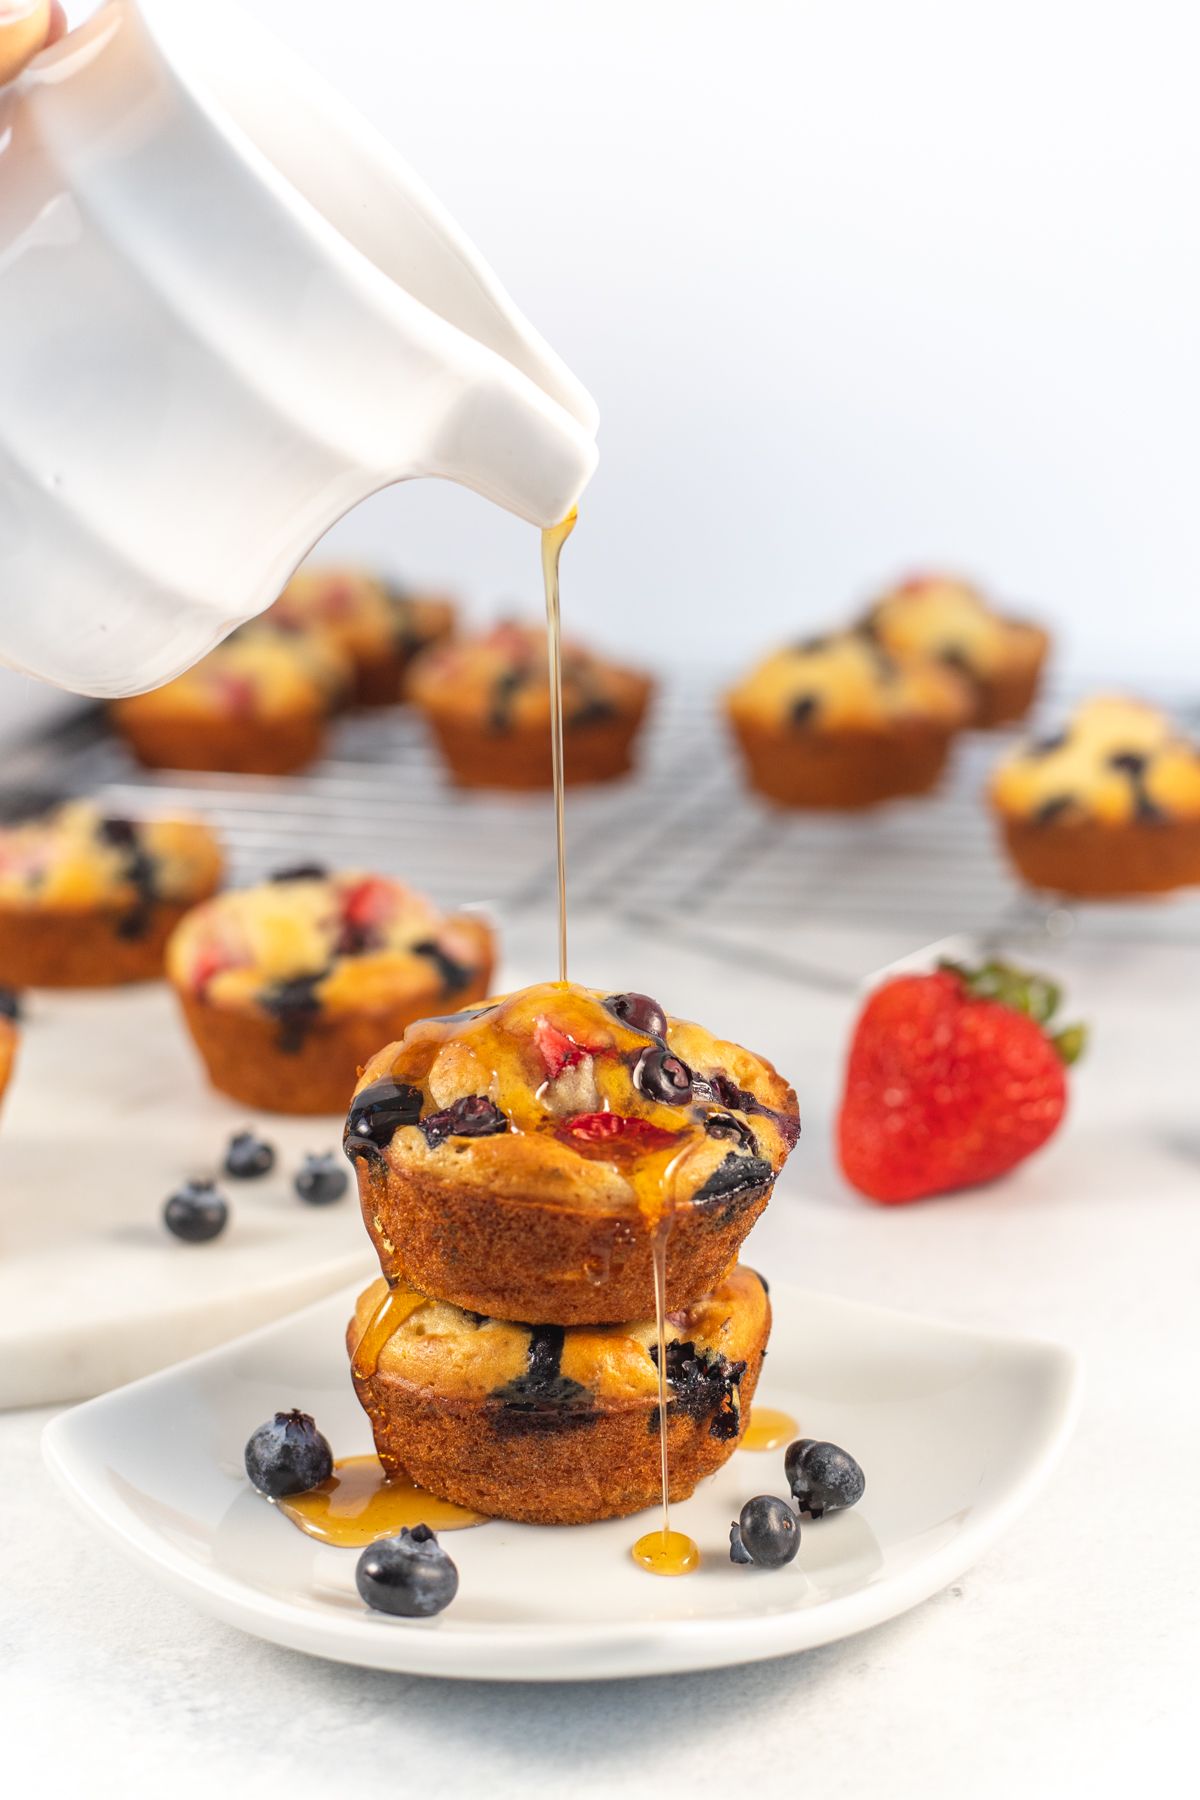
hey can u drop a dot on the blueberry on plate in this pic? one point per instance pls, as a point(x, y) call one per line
point(409, 1575)
point(196, 1212)
point(288, 1455)
point(769, 1531)
point(321, 1180)
point(247, 1156)
point(823, 1478)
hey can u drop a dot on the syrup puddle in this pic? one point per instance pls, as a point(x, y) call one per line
point(768, 1429)
point(359, 1503)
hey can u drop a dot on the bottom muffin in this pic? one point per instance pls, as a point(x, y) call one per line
point(555, 1425)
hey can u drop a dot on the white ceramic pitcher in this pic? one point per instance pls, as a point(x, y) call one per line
point(228, 312)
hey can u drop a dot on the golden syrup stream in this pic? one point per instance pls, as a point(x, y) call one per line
point(768, 1429)
point(552, 543)
point(361, 1502)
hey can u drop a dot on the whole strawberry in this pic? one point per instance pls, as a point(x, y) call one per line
point(953, 1079)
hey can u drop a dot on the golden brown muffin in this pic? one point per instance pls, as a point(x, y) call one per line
point(839, 722)
point(947, 619)
point(487, 701)
point(8, 1038)
point(89, 900)
point(256, 705)
point(521, 1159)
point(378, 627)
point(287, 988)
point(1109, 806)
point(549, 1425)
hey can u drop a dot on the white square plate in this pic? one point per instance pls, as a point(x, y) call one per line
point(956, 1430)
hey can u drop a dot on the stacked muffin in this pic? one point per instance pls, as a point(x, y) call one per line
point(521, 1167)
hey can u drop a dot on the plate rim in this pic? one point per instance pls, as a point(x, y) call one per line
point(600, 1650)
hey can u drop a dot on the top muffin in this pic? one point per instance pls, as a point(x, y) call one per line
point(520, 1158)
point(377, 627)
point(943, 617)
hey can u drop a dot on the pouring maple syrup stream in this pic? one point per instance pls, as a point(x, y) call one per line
point(662, 1552)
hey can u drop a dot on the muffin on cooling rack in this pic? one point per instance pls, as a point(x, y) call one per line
point(8, 1037)
point(487, 700)
point(256, 705)
point(554, 1425)
point(378, 627)
point(840, 722)
point(523, 1159)
point(287, 988)
point(88, 899)
point(938, 616)
point(1108, 806)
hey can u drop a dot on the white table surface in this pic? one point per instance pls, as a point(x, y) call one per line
point(1063, 1664)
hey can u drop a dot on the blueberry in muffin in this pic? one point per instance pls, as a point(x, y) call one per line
point(521, 1159)
point(258, 704)
point(89, 899)
point(1107, 806)
point(553, 1424)
point(840, 722)
point(380, 628)
point(487, 702)
point(948, 619)
point(287, 988)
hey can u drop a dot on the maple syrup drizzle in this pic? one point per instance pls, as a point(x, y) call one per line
point(361, 1502)
point(553, 540)
point(397, 1304)
point(768, 1429)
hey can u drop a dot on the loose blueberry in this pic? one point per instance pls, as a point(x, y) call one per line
point(769, 1530)
point(248, 1156)
point(738, 1552)
point(10, 1005)
point(822, 1477)
point(320, 1180)
point(639, 1012)
point(661, 1076)
point(196, 1212)
point(288, 1455)
point(409, 1575)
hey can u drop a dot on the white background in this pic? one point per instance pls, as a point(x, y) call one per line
point(858, 287)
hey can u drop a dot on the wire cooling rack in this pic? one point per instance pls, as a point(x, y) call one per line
point(680, 844)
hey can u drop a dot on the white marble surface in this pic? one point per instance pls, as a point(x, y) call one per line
point(1062, 1664)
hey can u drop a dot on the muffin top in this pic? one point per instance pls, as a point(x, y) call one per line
point(259, 673)
point(500, 678)
point(562, 1091)
point(848, 682)
point(534, 1369)
point(78, 857)
point(361, 613)
point(309, 940)
point(943, 617)
point(1116, 760)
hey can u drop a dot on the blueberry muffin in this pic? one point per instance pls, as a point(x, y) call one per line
point(9, 1014)
point(554, 1425)
point(256, 705)
point(1108, 806)
point(287, 988)
point(487, 702)
point(840, 722)
point(524, 1158)
point(1000, 657)
point(378, 627)
point(89, 900)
